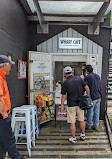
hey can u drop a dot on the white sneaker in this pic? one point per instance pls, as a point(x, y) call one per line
point(82, 137)
point(73, 140)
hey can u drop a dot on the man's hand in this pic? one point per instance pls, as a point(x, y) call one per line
point(2, 108)
point(87, 90)
point(5, 115)
point(62, 102)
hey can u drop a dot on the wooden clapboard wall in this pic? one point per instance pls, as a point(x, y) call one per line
point(88, 46)
point(51, 45)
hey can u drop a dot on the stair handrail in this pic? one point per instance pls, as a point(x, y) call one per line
point(107, 88)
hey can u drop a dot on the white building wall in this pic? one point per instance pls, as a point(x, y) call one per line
point(88, 46)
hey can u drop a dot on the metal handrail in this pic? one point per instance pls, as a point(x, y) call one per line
point(106, 114)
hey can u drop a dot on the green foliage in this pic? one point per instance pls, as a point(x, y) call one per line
point(111, 19)
point(111, 24)
point(111, 35)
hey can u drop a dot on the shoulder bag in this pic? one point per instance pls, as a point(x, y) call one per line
point(84, 100)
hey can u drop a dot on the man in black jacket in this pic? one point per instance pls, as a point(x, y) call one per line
point(70, 89)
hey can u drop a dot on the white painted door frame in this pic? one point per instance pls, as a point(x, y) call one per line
point(59, 57)
point(70, 57)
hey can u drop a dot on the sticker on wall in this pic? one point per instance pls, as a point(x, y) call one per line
point(22, 69)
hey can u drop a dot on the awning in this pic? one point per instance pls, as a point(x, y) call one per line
point(75, 12)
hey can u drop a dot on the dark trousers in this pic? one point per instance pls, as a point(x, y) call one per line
point(7, 139)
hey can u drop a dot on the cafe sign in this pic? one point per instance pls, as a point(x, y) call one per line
point(70, 43)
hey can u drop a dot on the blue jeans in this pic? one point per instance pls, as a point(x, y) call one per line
point(7, 139)
point(93, 113)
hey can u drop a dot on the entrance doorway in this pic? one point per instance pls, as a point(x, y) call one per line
point(77, 68)
point(74, 60)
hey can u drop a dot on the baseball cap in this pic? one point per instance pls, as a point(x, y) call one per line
point(67, 69)
point(5, 59)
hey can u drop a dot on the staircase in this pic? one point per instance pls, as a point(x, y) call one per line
point(109, 97)
point(53, 143)
point(108, 116)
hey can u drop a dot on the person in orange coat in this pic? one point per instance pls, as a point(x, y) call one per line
point(7, 139)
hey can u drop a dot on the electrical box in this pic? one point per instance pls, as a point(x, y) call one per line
point(93, 61)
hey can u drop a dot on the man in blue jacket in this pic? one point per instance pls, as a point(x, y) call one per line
point(94, 83)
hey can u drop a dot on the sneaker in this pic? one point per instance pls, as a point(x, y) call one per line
point(22, 157)
point(96, 129)
point(82, 137)
point(73, 140)
point(87, 128)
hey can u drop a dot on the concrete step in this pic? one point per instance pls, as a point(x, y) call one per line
point(109, 82)
point(109, 97)
point(110, 92)
point(109, 104)
point(109, 86)
point(109, 78)
point(53, 143)
point(110, 75)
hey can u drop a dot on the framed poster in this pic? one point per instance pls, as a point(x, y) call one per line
point(22, 69)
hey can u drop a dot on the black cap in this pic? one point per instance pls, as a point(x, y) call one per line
point(5, 59)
